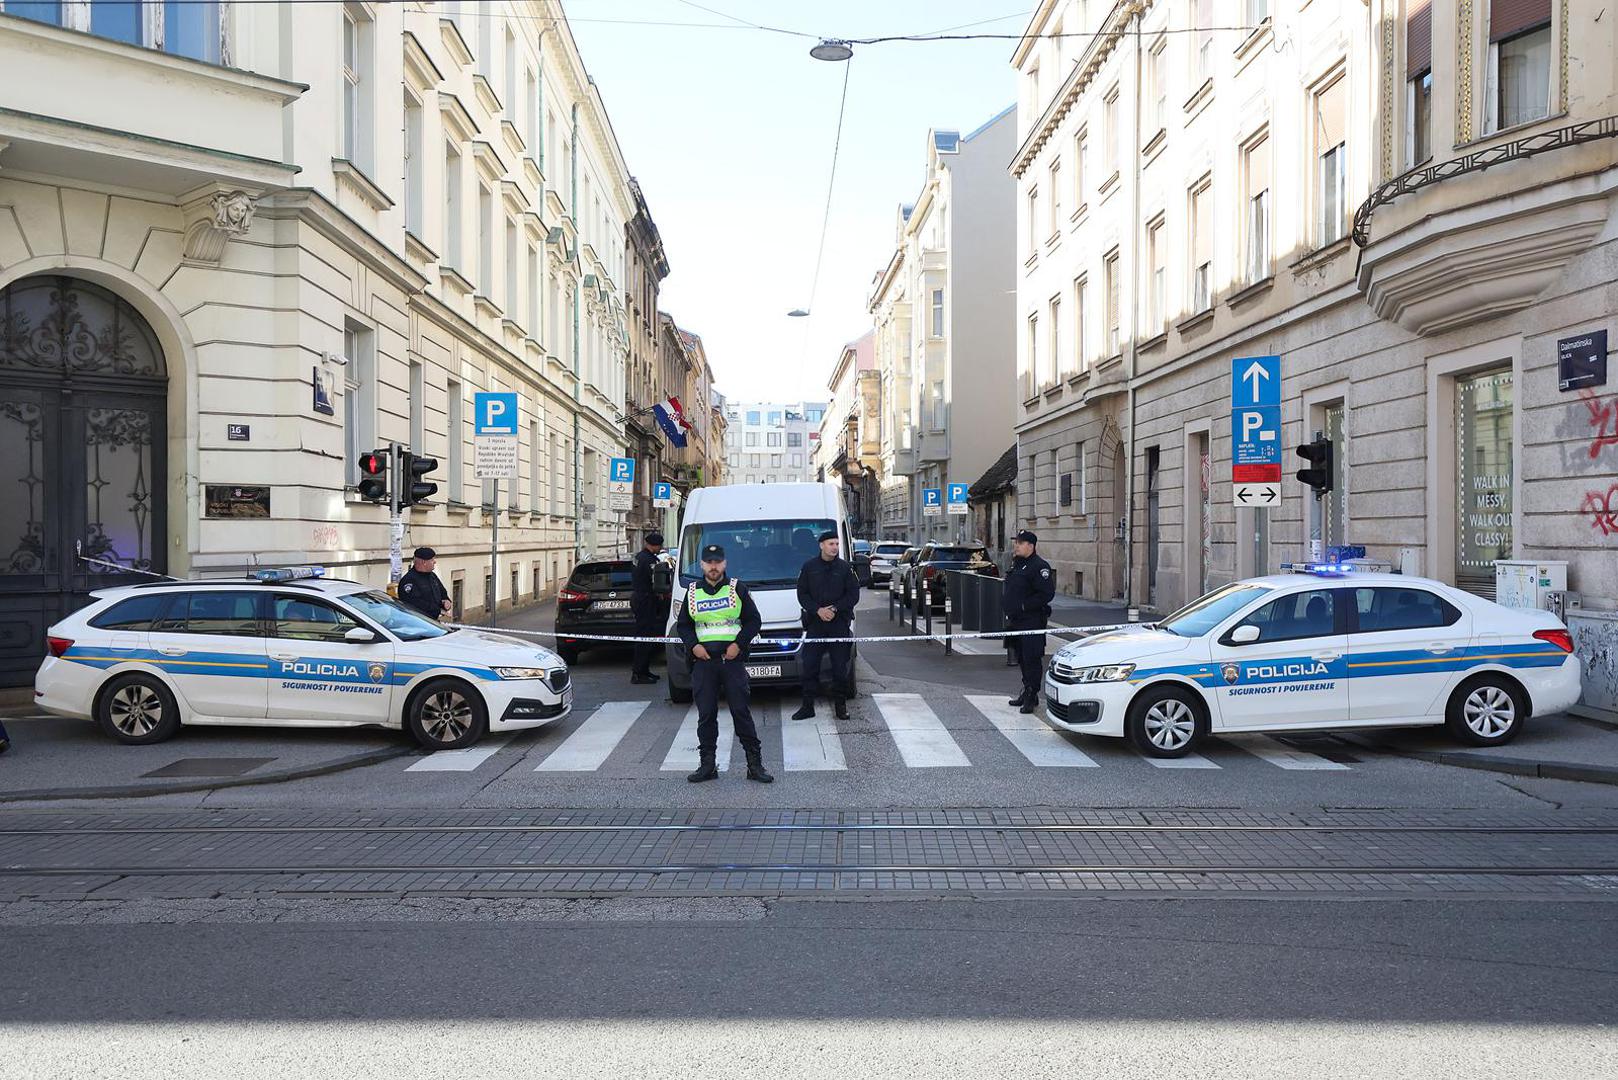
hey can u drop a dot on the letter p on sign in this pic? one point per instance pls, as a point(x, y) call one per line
point(494, 414)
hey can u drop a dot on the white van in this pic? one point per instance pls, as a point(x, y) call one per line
point(768, 532)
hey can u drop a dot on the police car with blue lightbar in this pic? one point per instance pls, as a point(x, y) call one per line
point(290, 648)
point(1325, 647)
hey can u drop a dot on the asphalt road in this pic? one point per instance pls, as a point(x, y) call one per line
point(745, 987)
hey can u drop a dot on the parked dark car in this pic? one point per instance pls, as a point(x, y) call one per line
point(596, 600)
point(860, 559)
point(933, 559)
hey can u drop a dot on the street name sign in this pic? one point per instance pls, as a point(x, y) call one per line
point(494, 436)
point(1255, 430)
point(932, 502)
point(956, 494)
point(621, 483)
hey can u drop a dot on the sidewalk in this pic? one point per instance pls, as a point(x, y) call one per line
point(1558, 747)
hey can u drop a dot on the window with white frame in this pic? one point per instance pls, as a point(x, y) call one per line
point(1331, 162)
point(1081, 493)
point(485, 240)
point(797, 460)
point(418, 407)
point(536, 463)
point(772, 438)
point(485, 32)
point(940, 414)
point(1157, 89)
point(535, 326)
point(455, 436)
point(513, 262)
point(454, 212)
point(1202, 247)
point(1256, 12)
point(1111, 285)
point(1256, 208)
point(1519, 62)
point(1054, 186)
point(193, 28)
point(775, 461)
point(1054, 327)
point(359, 87)
point(531, 98)
point(513, 103)
point(1036, 376)
point(1418, 82)
point(1157, 278)
point(414, 176)
point(359, 395)
point(1202, 17)
point(1081, 155)
point(937, 323)
point(1033, 219)
point(1109, 134)
point(1081, 302)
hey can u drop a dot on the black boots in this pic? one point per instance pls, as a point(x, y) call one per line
point(755, 768)
point(1019, 699)
point(841, 708)
point(806, 710)
point(1030, 701)
point(705, 770)
point(643, 679)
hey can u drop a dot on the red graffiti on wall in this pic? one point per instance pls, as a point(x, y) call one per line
point(1604, 418)
point(1602, 509)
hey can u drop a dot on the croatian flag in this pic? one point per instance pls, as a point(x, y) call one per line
point(671, 418)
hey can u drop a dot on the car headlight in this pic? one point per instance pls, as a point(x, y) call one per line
point(521, 672)
point(1103, 673)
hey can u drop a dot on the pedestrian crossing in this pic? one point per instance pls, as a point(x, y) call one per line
point(887, 731)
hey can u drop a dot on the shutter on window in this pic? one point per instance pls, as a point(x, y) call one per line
point(1418, 38)
point(1508, 17)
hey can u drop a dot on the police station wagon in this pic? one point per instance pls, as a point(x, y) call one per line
point(144, 659)
point(1314, 651)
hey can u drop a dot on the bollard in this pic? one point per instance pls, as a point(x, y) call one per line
point(927, 602)
point(949, 642)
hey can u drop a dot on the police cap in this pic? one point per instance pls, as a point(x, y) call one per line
point(829, 534)
point(1026, 537)
point(655, 538)
point(713, 553)
point(426, 553)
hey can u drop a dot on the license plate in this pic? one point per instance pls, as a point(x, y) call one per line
point(764, 671)
point(611, 605)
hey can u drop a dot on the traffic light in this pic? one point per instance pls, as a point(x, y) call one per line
point(1319, 456)
point(413, 488)
point(374, 475)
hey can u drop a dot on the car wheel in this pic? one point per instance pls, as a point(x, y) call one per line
point(446, 714)
point(1486, 711)
point(137, 709)
point(679, 695)
point(1166, 722)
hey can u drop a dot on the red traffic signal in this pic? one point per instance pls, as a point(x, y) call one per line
point(373, 483)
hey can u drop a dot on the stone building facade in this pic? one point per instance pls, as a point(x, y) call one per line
point(1311, 186)
point(849, 452)
point(229, 265)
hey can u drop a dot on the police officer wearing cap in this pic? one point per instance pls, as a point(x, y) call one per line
point(420, 587)
point(1026, 597)
point(644, 604)
point(717, 622)
point(828, 590)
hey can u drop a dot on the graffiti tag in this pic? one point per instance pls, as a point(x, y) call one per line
point(1601, 507)
point(1604, 418)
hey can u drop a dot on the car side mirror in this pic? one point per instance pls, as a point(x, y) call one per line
point(360, 636)
point(1244, 634)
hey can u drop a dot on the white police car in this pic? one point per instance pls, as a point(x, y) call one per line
point(1313, 651)
point(143, 659)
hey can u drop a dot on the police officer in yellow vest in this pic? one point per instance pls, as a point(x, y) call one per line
point(717, 621)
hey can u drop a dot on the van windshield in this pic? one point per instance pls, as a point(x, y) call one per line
point(763, 554)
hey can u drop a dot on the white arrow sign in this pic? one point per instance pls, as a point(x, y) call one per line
point(1255, 371)
point(1257, 494)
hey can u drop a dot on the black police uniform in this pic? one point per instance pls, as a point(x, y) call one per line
point(1026, 598)
point(647, 610)
point(709, 676)
point(424, 592)
point(826, 583)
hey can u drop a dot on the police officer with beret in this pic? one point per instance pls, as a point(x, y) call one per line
point(1026, 597)
point(644, 604)
point(828, 590)
point(717, 622)
point(420, 587)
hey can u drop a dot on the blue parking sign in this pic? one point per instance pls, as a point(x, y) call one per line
point(932, 497)
point(662, 490)
point(494, 413)
point(957, 493)
point(622, 470)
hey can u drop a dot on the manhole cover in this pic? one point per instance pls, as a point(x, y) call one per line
point(209, 766)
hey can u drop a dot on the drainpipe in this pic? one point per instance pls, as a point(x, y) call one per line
point(1134, 339)
point(578, 396)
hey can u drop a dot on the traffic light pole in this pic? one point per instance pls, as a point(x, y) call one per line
point(395, 518)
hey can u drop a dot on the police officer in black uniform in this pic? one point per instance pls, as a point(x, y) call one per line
point(1026, 598)
point(828, 590)
point(647, 610)
point(717, 622)
point(420, 587)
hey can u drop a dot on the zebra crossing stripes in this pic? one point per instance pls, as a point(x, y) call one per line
point(461, 760)
point(1036, 740)
point(923, 741)
point(1281, 755)
point(593, 741)
point(1189, 761)
point(811, 746)
point(683, 753)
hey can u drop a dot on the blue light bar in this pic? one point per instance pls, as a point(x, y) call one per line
point(290, 573)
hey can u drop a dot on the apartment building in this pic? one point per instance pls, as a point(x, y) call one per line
point(771, 442)
point(849, 451)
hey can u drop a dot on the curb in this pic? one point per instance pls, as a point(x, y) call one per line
point(136, 791)
point(1545, 770)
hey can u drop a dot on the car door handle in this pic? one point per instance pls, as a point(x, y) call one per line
point(283, 656)
point(1327, 657)
point(169, 650)
point(1439, 647)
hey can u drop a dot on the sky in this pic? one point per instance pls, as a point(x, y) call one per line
point(730, 132)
